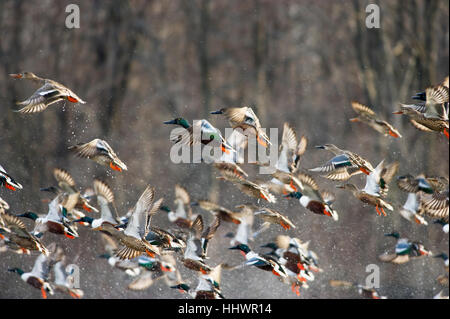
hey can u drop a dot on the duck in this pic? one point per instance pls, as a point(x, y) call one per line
point(163, 238)
point(376, 188)
point(67, 185)
point(310, 197)
point(365, 291)
point(15, 234)
point(53, 222)
point(38, 277)
point(290, 253)
point(288, 162)
point(201, 132)
point(49, 93)
point(132, 238)
point(414, 187)
point(432, 115)
point(100, 152)
point(245, 119)
point(248, 187)
point(155, 269)
point(224, 214)
point(435, 98)
point(404, 250)
point(182, 216)
point(129, 266)
point(7, 181)
point(271, 216)
point(105, 197)
point(368, 116)
point(244, 233)
point(265, 263)
point(208, 286)
point(197, 245)
point(344, 165)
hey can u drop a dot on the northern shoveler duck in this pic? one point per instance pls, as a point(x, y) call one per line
point(13, 231)
point(245, 119)
point(182, 217)
point(153, 270)
point(100, 152)
point(208, 286)
point(366, 292)
point(244, 232)
point(344, 165)
point(50, 92)
point(129, 266)
point(404, 250)
point(247, 187)
point(435, 99)
point(297, 260)
point(201, 132)
point(312, 198)
point(54, 222)
point(436, 205)
point(133, 237)
point(290, 152)
point(368, 116)
point(162, 238)
point(105, 197)
point(271, 216)
point(266, 263)
point(376, 188)
point(197, 245)
point(8, 181)
point(414, 186)
point(67, 185)
point(38, 277)
point(220, 212)
point(431, 115)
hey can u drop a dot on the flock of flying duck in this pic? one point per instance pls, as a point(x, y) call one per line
point(148, 253)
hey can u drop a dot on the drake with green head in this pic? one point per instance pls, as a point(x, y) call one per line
point(200, 132)
point(8, 181)
point(38, 277)
point(310, 197)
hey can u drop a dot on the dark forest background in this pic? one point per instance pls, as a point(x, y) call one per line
point(139, 63)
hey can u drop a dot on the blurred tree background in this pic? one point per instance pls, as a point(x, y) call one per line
point(139, 63)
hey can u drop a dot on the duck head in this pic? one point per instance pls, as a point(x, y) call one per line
point(297, 195)
point(179, 121)
point(393, 234)
point(242, 247)
point(16, 270)
point(29, 215)
point(182, 288)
